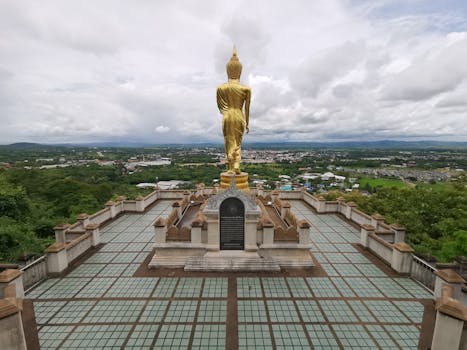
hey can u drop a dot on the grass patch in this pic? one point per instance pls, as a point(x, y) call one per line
point(381, 182)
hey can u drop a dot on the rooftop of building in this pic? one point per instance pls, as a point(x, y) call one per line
point(110, 299)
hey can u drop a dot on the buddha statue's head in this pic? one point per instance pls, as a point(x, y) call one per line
point(234, 67)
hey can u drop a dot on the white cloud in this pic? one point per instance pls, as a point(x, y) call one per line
point(162, 129)
point(319, 70)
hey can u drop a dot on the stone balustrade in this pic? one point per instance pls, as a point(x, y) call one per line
point(74, 240)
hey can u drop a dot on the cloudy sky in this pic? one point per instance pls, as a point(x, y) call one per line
point(85, 70)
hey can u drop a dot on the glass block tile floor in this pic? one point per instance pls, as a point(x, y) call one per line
point(355, 305)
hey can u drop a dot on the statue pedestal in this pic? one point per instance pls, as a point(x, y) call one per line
point(241, 180)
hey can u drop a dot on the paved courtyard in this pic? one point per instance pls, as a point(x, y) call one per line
point(352, 304)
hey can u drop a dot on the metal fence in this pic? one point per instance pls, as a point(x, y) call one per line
point(34, 272)
point(423, 272)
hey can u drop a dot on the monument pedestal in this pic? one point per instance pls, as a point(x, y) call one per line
point(241, 180)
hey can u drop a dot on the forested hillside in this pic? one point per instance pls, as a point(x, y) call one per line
point(33, 201)
point(435, 216)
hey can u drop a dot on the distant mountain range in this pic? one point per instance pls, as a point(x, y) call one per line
point(384, 144)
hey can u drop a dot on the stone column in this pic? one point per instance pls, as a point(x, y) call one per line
point(196, 227)
point(349, 209)
point(268, 232)
point(60, 232)
point(401, 257)
point(451, 278)
point(399, 233)
point(365, 231)
point(303, 232)
point(111, 206)
point(57, 260)
point(159, 230)
point(451, 315)
point(376, 220)
point(93, 229)
point(213, 234)
point(250, 232)
point(140, 204)
point(11, 324)
point(12, 277)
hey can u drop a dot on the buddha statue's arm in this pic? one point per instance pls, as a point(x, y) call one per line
point(247, 109)
point(221, 103)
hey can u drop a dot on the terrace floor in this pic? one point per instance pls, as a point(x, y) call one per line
point(349, 301)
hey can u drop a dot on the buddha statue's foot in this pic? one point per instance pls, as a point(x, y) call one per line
point(237, 171)
point(230, 171)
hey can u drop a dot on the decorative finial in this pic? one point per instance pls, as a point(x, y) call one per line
point(234, 51)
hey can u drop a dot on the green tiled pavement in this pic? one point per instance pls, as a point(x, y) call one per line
point(254, 336)
point(209, 337)
point(97, 337)
point(321, 336)
point(251, 311)
point(115, 311)
point(175, 336)
point(290, 336)
point(357, 306)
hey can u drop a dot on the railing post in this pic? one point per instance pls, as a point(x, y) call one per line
point(11, 324)
point(451, 278)
point(12, 277)
point(60, 232)
point(83, 219)
point(93, 229)
point(401, 257)
point(376, 220)
point(365, 231)
point(321, 207)
point(140, 204)
point(159, 230)
point(57, 260)
point(349, 209)
point(112, 210)
point(304, 232)
point(451, 316)
point(399, 233)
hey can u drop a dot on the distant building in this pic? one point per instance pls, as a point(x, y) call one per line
point(170, 185)
point(146, 185)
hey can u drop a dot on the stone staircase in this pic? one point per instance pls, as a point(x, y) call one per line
point(230, 263)
point(286, 262)
point(167, 262)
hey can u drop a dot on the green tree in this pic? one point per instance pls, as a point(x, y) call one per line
point(13, 200)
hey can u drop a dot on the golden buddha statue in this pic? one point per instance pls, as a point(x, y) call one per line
point(232, 97)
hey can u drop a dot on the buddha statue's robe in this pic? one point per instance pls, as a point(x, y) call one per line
point(232, 97)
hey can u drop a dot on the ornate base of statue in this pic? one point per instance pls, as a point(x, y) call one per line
point(241, 180)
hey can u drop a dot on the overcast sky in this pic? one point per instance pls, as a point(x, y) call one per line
point(86, 70)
